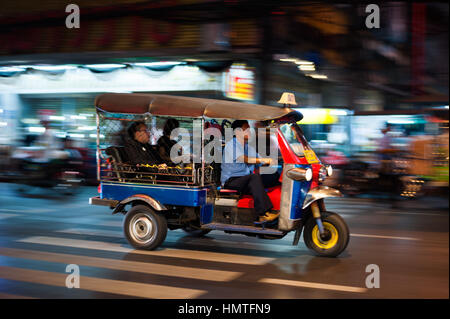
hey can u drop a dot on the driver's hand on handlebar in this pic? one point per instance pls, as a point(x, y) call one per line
point(267, 161)
point(162, 166)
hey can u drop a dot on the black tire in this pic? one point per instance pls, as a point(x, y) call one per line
point(338, 230)
point(144, 228)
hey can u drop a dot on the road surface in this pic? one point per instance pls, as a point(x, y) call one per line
point(40, 237)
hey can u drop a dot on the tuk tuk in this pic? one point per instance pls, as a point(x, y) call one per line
point(189, 196)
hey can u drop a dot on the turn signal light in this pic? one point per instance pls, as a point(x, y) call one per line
point(329, 170)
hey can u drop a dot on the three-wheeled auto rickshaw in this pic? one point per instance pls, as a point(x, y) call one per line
point(188, 196)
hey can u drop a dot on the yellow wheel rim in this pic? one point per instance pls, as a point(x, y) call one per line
point(325, 244)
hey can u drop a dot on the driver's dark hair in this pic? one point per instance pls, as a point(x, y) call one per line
point(133, 128)
point(238, 124)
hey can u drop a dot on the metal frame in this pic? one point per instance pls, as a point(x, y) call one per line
point(199, 176)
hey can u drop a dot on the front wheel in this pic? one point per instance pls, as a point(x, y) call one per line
point(144, 228)
point(335, 239)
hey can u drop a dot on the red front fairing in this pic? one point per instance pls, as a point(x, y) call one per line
point(290, 157)
point(315, 179)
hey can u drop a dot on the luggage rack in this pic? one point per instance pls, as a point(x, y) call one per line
point(154, 174)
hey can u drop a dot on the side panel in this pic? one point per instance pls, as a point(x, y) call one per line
point(299, 192)
point(166, 195)
point(293, 194)
point(207, 210)
point(206, 214)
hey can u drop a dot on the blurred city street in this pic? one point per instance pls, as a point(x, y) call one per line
point(40, 237)
point(177, 149)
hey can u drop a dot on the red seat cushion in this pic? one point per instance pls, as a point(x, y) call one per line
point(274, 193)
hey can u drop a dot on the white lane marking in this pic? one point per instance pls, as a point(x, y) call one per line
point(92, 232)
point(4, 216)
point(100, 285)
point(114, 223)
point(405, 213)
point(74, 220)
point(165, 252)
point(363, 211)
point(26, 210)
point(385, 237)
point(124, 265)
point(305, 284)
point(174, 238)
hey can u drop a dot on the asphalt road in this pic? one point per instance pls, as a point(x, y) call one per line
point(41, 236)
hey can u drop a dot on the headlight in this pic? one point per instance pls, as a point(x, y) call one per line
point(322, 174)
point(309, 174)
point(329, 170)
point(300, 174)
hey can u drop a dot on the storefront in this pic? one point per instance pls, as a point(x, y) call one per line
point(327, 129)
point(64, 95)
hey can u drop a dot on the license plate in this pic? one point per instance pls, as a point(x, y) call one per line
point(311, 157)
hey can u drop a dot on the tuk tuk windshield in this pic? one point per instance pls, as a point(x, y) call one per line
point(296, 139)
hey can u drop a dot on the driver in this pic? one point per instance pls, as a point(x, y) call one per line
point(238, 163)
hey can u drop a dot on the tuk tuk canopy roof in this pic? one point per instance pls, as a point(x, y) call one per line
point(168, 105)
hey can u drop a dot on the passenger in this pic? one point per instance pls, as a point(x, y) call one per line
point(165, 144)
point(238, 163)
point(137, 146)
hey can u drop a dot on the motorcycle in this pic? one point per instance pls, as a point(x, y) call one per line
point(60, 173)
point(389, 175)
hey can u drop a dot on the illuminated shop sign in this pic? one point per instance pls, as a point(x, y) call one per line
point(321, 115)
point(240, 82)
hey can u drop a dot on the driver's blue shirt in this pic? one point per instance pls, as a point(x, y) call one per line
point(231, 166)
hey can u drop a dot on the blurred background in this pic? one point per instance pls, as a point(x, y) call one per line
point(370, 96)
point(375, 106)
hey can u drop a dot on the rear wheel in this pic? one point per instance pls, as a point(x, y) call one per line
point(335, 239)
point(144, 228)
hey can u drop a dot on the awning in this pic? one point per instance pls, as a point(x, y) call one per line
point(180, 106)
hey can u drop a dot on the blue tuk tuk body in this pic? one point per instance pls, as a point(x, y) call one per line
point(166, 195)
point(196, 203)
